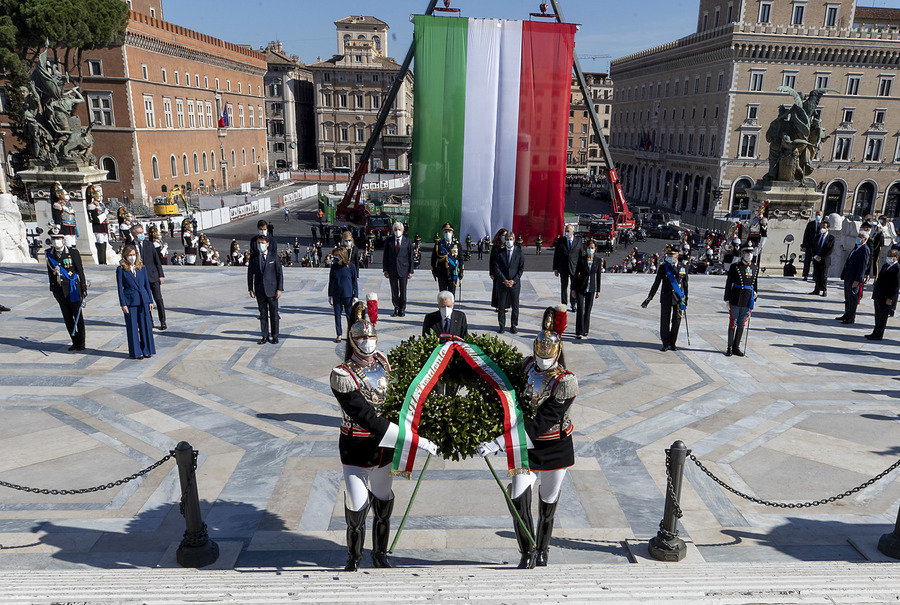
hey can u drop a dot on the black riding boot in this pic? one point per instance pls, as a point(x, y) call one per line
point(101, 253)
point(728, 351)
point(356, 536)
point(381, 528)
point(736, 347)
point(547, 512)
point(522, 505)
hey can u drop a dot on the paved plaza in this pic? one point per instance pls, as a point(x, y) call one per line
point(812, 411)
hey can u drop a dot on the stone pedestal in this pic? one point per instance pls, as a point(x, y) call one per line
point(75, 180)
point(791, 206)
point(13, 241)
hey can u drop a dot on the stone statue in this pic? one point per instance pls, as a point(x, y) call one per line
point(54, 134)
point(795, 137)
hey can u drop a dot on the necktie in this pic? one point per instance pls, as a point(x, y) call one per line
point(262, 262)
point(570, 244)
point(447, 326)
point(398, 245)
point(821, 242)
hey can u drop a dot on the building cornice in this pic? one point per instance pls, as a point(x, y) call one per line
point(155, 45)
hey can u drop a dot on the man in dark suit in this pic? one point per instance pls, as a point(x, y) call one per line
point(397, 265)
point(508, 267)
point(808, 243)
point(446, 320)
point(821, 249)
point(150, 257)
point(262, 228)
point(265, 280)
point(68, 285)
point(854, 276)
point(884, 294)
point(566, 253)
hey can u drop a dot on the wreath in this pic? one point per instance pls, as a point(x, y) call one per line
point(456, 423)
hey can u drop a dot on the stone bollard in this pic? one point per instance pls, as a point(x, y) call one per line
point(196, 548)
point(666, 545)
point(889, 544)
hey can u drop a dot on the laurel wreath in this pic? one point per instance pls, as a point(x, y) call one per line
point(456, 423)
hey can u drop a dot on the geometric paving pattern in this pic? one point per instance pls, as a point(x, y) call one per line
point(812, 411)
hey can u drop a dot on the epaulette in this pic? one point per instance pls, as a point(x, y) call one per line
point(342, 381)
point(566, 387)
point(384, 360)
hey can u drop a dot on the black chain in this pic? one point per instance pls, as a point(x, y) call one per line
point(670, 491)
point(88, 490)
point(849, 492)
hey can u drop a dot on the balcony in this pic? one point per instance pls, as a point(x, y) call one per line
point(396, 141)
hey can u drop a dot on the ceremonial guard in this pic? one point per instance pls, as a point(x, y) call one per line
point(550, 390)
point(189, 241)
point(124, 218)
point(162, 248)
point(367, 439)
point(63, 214)
point(740, 294)
point(68, 285)
point(673, 301)
point(235, 256)
point(729, 250)
point(205, 251)
point(446, 266)
point(99, 224)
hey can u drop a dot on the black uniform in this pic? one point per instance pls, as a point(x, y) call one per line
point(447, 270)
point(550, 430)
point(886, 288)
point(670, 302)
point(740, 293)
point(360, 394)
point(67, 284)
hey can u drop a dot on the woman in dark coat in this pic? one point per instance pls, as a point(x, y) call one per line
point(137, 303)
point(343, 287)
point(496, 246)
point(585, 288)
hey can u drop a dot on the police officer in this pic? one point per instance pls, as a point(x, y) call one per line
point(673, 276)
point(67, 284)
point(446, 265)
point(740, 294)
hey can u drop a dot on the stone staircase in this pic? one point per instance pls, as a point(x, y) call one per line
point(719, 583)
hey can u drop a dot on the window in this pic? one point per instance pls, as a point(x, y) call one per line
point(95, 67)
point(685, 89)
point(359, 79)
point(831, 13)
point(196, 164)
point(842, 147)
point(326, 77)
point(177, 81)
point(167, 111)
point(154, 163)
point(345, 133)
point(173, 165)
point(184, 164)
point(848, 115)
point(205, 165)
point(705, 21)
point(748, 146)
point(217, 83)
point(210, 119)
point(187, 79)
point(873, 150)
point(243, 157)
point(233, 159)
point(360, 134)
point(853, 85)
point(884, 86)
point(179, 112)
point(789, 79)
point(342, 99)
point(765, 12)
point(360, 103)
point(879, 116)
point(149, 116)
point(206, 82)
point(712, 144)
point(197, 80)
point(756, 80)
point(144, 73)
point(240, 116)
point(109, 165)
point(752, 112)
point(374, 77)
point(697, 85)
point(822, 80)
point(797, 15)
point(716, 18)
point(708, 82)
point(326, 99)
point(677, 85)
point(100, 104)
point(250, 114)
point(241, 88)
point(228, 85)
point(583, 143)
point(729, 16)
point(192, 123)
point(253, 154)
point(571, 128)
point(164, 78)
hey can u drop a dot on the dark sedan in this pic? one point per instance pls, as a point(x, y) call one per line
point(664, 232)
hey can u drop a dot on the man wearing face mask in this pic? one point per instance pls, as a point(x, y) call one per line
point(68, 285)
point(585, 288)
point(808, 243)
point(884, 294)
point(854, 275)
point(149, 255)
point(820, 249)
point(446, 320)
point(265, 280)
point(367, 440)
point(397, 264)
point(551, 390)
point(740, 294)
point(509, 264)
point(446, 266)
point(673, 276)
point(566, 252)
point(262, 228)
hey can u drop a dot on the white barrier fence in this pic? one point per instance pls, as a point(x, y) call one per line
point(373, 186)
point(301, 194)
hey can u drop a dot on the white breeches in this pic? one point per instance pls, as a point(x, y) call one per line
point(360, 481)
point(551, 483)
point(190, 258)
point(71, 241)
point(101, 238)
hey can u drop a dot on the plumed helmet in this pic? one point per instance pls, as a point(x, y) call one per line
point(548, 343)
point(93, 192)
point(123, 215)
point(57, 192)
point(186, 225)
point(363, 317)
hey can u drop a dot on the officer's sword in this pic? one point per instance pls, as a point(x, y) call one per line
point(83, 301)
point(687, 326)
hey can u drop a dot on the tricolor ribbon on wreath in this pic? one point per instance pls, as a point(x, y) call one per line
point(514, 435)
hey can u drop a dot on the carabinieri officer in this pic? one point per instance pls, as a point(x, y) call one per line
point(673, 276)
point(740, 294)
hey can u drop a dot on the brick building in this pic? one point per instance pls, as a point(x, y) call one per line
point(689, 116)
point(290, 110)
point(583, 153)
point(350, 88)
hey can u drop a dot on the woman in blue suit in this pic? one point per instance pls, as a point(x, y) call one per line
point(137, 304)
point(342, 287)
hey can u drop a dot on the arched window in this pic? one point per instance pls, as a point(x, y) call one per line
point(740, 200)
point(360, 37)
point(233, 160)
point(212, 160)
point(253, 154)
point(834, 198)
point(892, 201)
point(377, 41)
point(347, 39)
point(155, 164)
point(109, 165)
point(184, 164)
point(173, 164)
point(243, 157)
point(865, 199)
point(196, 164)
point(205, 165)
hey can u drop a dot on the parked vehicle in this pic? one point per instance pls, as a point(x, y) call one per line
point(664, 232)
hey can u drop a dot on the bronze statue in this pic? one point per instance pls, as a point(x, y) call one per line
point(795, 137)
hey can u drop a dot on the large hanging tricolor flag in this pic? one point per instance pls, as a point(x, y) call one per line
point(514, 436)
point(491, 125)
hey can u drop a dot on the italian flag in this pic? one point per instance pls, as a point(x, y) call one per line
point(491, 125)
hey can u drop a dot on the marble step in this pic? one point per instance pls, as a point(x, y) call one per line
point(719, 583)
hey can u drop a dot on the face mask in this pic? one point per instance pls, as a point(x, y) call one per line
point(510, 243)
point(747, 257)
point(262, 247)
point(398, 233)
point(348, 243)
point(366, 346)
point(891, 260)
point(448, 236)
point(570, 236)
point(140, 237)
point(131, 260)
point(823, 230)
point(670, 260)
point(59, 244)
point(446, 312)
point(859, 240)
point(263, 232)
point(590, 252)
point(818, 218)
point(543, 364)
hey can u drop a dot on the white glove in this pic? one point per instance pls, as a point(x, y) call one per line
point(353, 301)
point(426, 445)
point(488, 448)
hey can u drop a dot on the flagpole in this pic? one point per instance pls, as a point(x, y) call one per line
point(409, 506)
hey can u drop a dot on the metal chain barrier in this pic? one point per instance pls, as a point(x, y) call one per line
point(88, 490)
point(670, 491)
point(734, 491)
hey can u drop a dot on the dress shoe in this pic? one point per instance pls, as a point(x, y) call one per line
point(163, 327)
point(664, 348)
point(79, 348)
point(728, 352)
point(872, 337)
point(3, 309)
point(274, 340)
point(814, 293)
point(337, 339)
point(673, 348)
point(580, 337)
point(73, 348)
point(823, 294)
point(841, 318)
point(514, 330)
point(501, 331)
point(848, 321)
point(401, 314)
point(395, 313)
point(262, 341)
